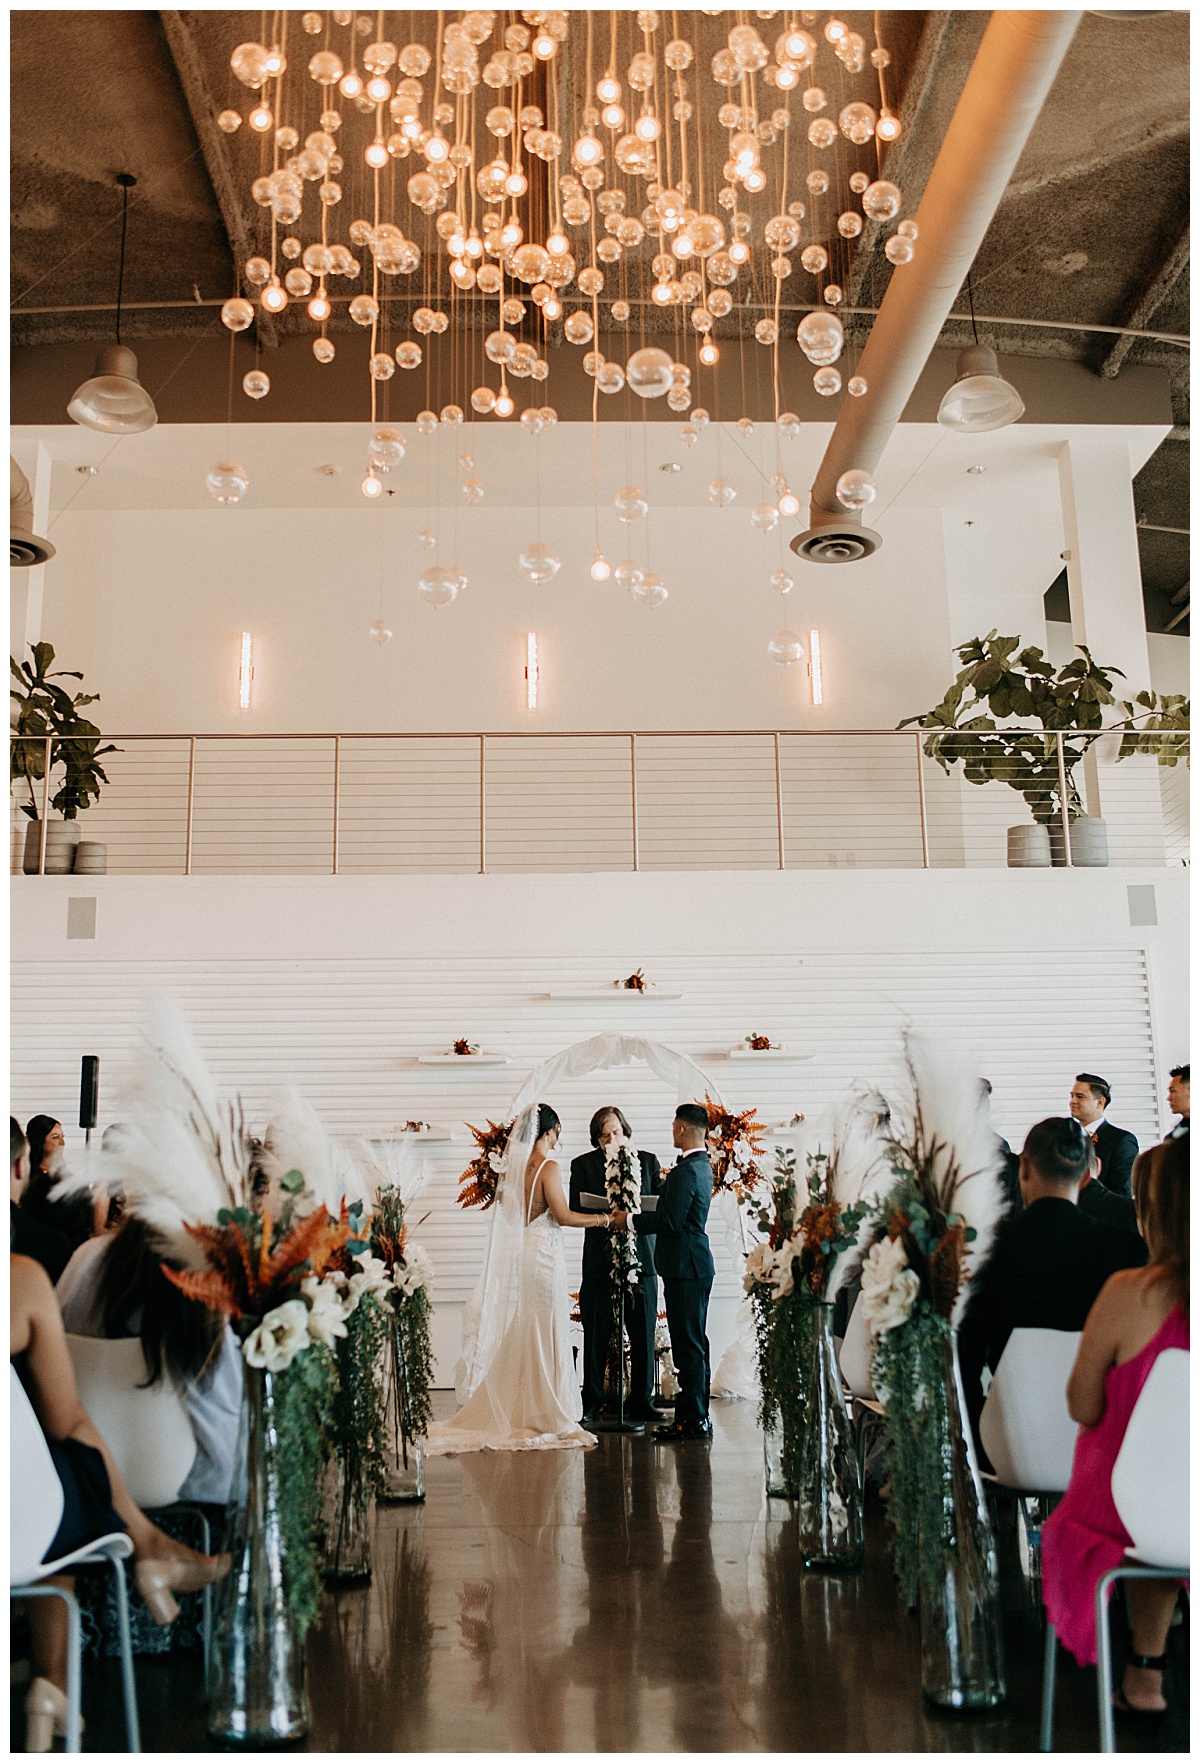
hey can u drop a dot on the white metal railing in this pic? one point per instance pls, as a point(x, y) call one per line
point(534, 800)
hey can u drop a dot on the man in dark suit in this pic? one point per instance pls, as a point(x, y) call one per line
point(597, 1306)
point(1047, 1263)
point(1104, 1207)
point(1179, 1100)
point(1116, 1148)
point(685, 1264)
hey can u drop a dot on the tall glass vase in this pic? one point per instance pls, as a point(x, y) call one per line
point(962, 1649)
point(777, 1487)
point(256, 1689)
point(404, 1476)
point(347, 1556)
point(829, 1488)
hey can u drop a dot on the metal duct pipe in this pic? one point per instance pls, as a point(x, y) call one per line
point(1013, 71)
point(24, 547)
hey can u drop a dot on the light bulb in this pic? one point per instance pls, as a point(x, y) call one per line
point(437, 149)
point(787, 78)
point(709, 354)
point(273, 297)
point(600, 570)
point(260, 119)
point(587, 151)
point(661, 293)
point(379, 90)
point(319, 307)
point(608, 90)
point(557, 244)
point(835, 30)
point(755, 181)
point(612, 116)
point(543, 46)
point(516, 183)
point(350, 85)
point(552, 308)
point(503, 405)
point(646, 127)
point(789, 504)
point(738, 252)
point(376, 155)
point(371, 487)
point(888, 128)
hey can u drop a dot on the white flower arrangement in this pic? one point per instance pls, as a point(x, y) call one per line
point(414, 1273)
point(280, 1335)
point(369, 1279)
point(889, 1286)
point(327, 1310)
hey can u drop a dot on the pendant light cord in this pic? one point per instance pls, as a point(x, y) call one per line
point(126, 182)
point(971, 304)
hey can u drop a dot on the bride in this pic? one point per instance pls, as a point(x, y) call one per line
point(517, 1378)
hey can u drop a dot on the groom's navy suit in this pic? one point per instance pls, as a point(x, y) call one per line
point(685, 1266)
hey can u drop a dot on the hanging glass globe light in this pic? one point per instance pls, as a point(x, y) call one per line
point(426, 540)
point(380, 632)
point(227, 483)
point(649, 589)
point(600, 570)
point(472, 490)
point(785, 648)
point(631, 504)
point(649, 373)
point(781, 581)
point(255, 384)
point(627, 573)
point(855, 489)
point(721, 492)
point(237, 315)
point(538, 563)
point(438, 586)
point(764, 517)
point(385, 449)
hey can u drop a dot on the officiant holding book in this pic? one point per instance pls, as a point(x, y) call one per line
point(597, 1304)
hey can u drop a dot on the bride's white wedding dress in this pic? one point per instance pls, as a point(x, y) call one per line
point(524, 1395)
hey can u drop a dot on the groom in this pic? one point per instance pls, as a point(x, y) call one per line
point(685, 1265)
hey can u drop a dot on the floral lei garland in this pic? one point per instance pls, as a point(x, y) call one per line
point(735, 1144)
point(479, 1180)
point(623, 1185)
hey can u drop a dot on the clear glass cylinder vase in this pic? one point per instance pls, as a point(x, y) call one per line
point(777, 1487)
point(347, 1555)
point(256, 1688)
point(829, 1487)
point(404, 1475)
point(962, 1647)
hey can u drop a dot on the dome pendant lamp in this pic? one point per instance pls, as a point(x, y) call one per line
point(114, 401)
point(980, 398)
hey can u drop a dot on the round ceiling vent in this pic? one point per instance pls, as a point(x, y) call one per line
point(23, 553)
point(836, 544)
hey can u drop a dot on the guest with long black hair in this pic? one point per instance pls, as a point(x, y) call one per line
point(77, 1218)
point(27, 1234)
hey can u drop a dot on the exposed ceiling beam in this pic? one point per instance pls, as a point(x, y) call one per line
point(189, 68)
point(912, 153)
point(1169, 273)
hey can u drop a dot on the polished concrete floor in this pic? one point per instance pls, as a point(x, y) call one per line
point(630, 1598)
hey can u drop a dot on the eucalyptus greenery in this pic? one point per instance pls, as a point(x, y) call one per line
point(357, 1431)
point(909, 1374)
point(1000, 681)
point(43, 708)
point(305, 1395)
point(411, 1310)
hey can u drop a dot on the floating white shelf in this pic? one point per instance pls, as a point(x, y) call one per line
point(594, 993)
point(441, 1135)
point(461, 1059)
point(765, 1053)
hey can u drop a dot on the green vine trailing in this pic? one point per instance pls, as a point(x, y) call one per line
point(909, 1374)
point(409, 1272)
point(412, 1321)
point(357, 1430)
point(305, 1396)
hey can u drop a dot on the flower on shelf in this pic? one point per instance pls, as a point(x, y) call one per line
point(623, 1185)
point(478, 1181)
point(420, 1125)
point(635, 983)
point(761, 1043)
point(464, 1049)
point(735, 1145)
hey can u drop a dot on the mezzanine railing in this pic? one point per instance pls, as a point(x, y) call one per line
point(533, 801)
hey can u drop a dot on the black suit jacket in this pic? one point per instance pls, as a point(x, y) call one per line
point(1111, 1211)
point(29, 1236)
point(587, 1177)
point(1116, 1149)
point(1045, 1270)
point(679, 1222)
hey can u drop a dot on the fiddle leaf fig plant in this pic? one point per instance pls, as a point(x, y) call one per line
point(41, 708)
point(1164, 733)
point(1000, 681)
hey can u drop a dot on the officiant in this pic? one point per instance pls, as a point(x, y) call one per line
point(597, 1304)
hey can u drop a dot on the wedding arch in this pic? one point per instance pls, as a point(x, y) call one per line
point(603, 1052)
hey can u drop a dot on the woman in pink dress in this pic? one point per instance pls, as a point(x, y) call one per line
point(1138, 1315)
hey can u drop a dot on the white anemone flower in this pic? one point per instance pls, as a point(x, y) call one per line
point(889, 1286)
point(327, 1312)
point(280, 1335)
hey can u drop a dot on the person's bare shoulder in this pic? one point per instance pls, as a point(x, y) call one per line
point(29, 1278)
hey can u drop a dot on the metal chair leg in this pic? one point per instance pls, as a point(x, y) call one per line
point(133, 1737)
point(1104, 1681)
point(74, 1721)
point(1048, 1663)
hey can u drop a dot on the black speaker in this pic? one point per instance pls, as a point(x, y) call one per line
point(89, 1089)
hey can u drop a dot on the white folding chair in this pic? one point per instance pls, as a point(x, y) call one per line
point(1150, 1492)
point(146, 1429)
point(36, 1505)
point(1027, 1431)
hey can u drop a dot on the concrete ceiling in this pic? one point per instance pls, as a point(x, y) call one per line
point(1093, 228)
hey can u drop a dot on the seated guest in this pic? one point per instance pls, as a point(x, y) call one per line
point(1104, 1207)
point(1048, 1263)
point(113, 1288)
point(77, 1218)
point(1179, 1100)
point(27, 1235)
point(96, 1501)
point(1116, 1148)
point(1138, 1315)
point(1008, 1174)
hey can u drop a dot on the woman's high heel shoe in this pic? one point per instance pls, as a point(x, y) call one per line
point(158, 1580)
point(45, 1715)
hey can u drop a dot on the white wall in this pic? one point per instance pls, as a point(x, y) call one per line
point(339, 983)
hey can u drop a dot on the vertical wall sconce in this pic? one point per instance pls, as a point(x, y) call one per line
point(531, 671)
point(814, 667)
point(245, 670)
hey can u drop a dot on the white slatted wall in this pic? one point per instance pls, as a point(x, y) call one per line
point(347, 1031)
